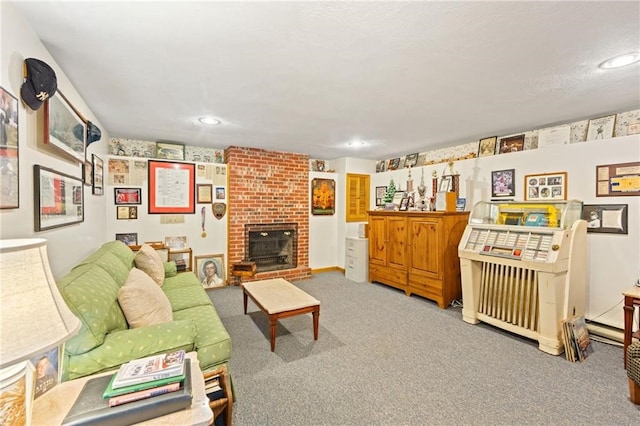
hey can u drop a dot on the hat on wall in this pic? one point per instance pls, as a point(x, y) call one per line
point(93, 133)
point(39, 84)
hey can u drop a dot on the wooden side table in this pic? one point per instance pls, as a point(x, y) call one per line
point(51, 408)
point(225, 403)
point(631, 300)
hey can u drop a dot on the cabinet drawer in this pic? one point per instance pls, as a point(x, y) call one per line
point(386, 274)
point(425, 285)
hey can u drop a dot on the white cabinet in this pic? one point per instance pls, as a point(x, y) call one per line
point(356, 259)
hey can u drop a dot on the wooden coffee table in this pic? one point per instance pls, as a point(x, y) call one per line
point(278, 298)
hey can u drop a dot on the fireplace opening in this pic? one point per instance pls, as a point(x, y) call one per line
point(272, 246)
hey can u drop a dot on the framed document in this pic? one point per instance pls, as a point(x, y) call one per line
point(58, 199)
point(614, 180)
point(601, 128)
point(205, 193)
point(171, 187)
point(559, 135)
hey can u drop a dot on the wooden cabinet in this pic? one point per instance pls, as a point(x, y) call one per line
point(417, 252)
point(388, 249)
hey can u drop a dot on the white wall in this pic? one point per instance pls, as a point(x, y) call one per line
point(614, 260)
point(68, 245)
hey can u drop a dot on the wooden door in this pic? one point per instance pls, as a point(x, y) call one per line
point(397, 242)
point(426, 246)
point(377, 240)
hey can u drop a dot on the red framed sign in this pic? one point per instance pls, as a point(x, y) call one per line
point(171, 187)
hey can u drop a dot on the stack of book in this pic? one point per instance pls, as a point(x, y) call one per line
point(575, 336)
point(142, 389)
point(181, 265)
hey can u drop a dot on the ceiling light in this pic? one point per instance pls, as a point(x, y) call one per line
point(209, 120)
point(621, 61)
point(356, 144)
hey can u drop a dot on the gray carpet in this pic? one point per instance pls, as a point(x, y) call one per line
point(383, 358)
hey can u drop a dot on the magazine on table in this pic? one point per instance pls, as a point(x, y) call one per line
point(150, 368)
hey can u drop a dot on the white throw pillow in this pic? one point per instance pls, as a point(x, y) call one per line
point(148, 260)
point(142, 301)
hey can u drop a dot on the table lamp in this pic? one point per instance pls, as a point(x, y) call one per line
point(33, 319)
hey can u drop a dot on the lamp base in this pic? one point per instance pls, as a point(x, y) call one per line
point(16, 394)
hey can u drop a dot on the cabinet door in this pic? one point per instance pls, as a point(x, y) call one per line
point(397, 242)
point(377, 240)
point(426, 246)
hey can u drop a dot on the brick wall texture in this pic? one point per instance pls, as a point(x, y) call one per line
point(268, 187)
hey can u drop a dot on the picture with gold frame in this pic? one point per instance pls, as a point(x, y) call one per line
point(487, 146)
point(203, 270)
point(323, 196)
point(170, 151)
point(545, 186)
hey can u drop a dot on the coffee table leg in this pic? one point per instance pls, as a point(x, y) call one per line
point(274, 323)
point(316, 318)
point(245, 302)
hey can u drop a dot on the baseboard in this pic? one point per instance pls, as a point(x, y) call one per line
point(332, 268)
point(606, 331)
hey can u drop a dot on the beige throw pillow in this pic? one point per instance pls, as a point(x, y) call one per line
point(142, 301)
point(148, 260)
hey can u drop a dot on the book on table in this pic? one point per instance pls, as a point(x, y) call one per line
point(91, 408)
point(150, 368)
point(110, 392)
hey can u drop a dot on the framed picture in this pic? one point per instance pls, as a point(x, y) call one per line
point(511, 144)
point(404, 204)
point(559, 135)
point(210, 271)
point(394, 164)
point(397, 198)
point(381, 191)
point(487, 146)
point(601, 128)
point(97, 169)
point(127, 196)
point(122, 212)
point(320, 165)
point(503, 183)
point(606, 218)
point(411, 160)
point(616, 180)
point(461, 203)
point(171, 187)
point(130, 239)
point(87, 175)
point(205, 193)
point(170, 150)
point(445, 184)
point(47, 372)
point(323, 196)
point(545, 187)
point(176, 243)
point(65, 128)
point(57, 201)
point(220, 193)
point(9, 161)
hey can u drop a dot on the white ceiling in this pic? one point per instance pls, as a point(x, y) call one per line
point(309, 77)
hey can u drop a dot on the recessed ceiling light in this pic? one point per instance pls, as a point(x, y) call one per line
point(356, 144)
point(209, 120)
point(621, 61)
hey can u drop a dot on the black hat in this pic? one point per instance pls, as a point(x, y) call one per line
point(39, 84)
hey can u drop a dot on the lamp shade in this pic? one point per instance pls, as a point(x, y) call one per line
point(33, 316)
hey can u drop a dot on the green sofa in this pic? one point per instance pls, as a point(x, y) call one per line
point(105, 340)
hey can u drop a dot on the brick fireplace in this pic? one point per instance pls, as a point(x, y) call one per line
point(268, 190)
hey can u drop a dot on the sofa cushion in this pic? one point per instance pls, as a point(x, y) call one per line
point(115, 257)
point(184, 291)
point(148, 260)
point(170, 269)
point(142, 301)
point(213, 342)
point(92, 295)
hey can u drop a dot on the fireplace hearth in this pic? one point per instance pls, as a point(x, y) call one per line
point(272, 246)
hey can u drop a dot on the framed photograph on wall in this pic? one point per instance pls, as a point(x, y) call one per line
point(97, 169)
point(127, 196)
point(65, 128)
point(487, 146)
point(220, 193)
point(511, 144)
point(606, 218)
point(57, 200)
point(130, 238)
point(210, 271)
point(171, 187)
point(546, 187)
point(170, 150)
point(503, 183)
point(205, 193)
point(323, 196)
point(601, 128)
point(381, 191)
point(411, 160)
point(87, 175)
point(9, 161)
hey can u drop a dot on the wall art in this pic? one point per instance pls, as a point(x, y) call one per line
point(210, 271)
point(65, 128)
point(9, 161)
point(546, 187)
point(127, 196)
point(58, 199)
point(323, 196)
point(615, 180)
point(503, 183)
point(97, 169)
point(606, 218)
point(171, 187)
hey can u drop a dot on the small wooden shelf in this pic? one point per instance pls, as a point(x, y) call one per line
point(182, 254)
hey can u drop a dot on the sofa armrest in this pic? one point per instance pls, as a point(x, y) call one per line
point(125, 345)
